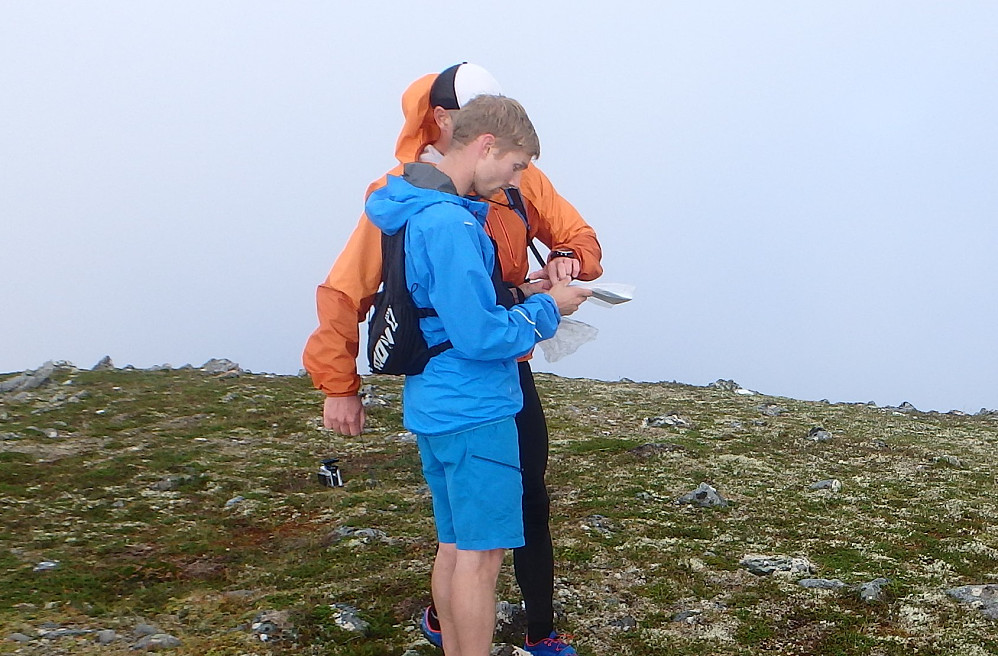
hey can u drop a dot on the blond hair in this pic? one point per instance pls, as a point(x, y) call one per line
point(503, 118)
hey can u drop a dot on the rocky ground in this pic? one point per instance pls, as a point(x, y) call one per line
point(179, 510)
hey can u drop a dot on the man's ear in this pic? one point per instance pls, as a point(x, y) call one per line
point(486, 143)
point(441, 117)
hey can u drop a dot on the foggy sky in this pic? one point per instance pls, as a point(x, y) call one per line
point(804, 195)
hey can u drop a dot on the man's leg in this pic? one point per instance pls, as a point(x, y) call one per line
point(533, 563)
point(470, 616)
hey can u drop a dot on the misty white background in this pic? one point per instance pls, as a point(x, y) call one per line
point(805, 194)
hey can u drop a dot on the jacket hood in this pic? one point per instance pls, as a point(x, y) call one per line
point(390, 207)
point(419, 128)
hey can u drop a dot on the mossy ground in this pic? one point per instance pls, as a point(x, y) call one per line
point(131, 499)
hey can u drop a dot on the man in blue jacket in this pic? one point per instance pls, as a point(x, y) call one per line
point(462, 406)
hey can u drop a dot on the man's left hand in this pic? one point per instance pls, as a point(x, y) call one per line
point(559, 269)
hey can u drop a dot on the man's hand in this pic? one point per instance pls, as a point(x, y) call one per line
point(535, 287)
point(343, 414)
point(567, 298)
point(558, 269)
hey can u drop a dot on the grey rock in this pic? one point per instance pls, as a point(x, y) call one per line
point(272, 625)
point(104, 364)
point(359, 535)
point(821, 584)
point(907, 407)
point(950, 461)
point(145, 630)
point(219, 366)
point(819, 434)
point(598, 523)
point(347, 617)
point(761, 565)
point(670, 420)
point(234, 501)
point(687, 616)
point(771, 409)
point(19, 637)
point(872, 591)
point(56, 634)
point(625, 623)
point(157, 642)
point(983, 597)
point(46, 565)
point(28, 380)
point(724, 385)
point(704, 496)
point(106, 636)
point(832, 484)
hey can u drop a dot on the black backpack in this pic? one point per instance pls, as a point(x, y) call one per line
point(395, 344)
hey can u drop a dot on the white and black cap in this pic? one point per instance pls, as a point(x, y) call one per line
point(460, 83)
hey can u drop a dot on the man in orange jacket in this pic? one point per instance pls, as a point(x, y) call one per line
point(345, 298)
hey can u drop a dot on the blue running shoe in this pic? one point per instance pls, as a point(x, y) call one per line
point(553, 645)
point(433, 635)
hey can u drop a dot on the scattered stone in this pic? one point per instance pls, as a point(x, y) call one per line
point(219, 366)
point(28, 380)
point(704, 496)
point(161, 367)
point(234, 501)
point(270, 625)
point(145, 630)
point(981, 597)
point(157, 642)
point(832, 484)
point(819, 434)
point(104, 364)
point(19, 637)
point(358, 536)
point(654, 449)
point(771, 409)
point(61, 632)
point(765, 565)
point(625, 623)
point(368, 398)
point(879, 443)
point(872, 591)
point(347, 617)
point(230, 397)
point(687, 616)
point(46, 565)
point(106, 636)
point(725, 385)
point(821, 584)
point(907, 407)
point(670, 420)
point(598, 523)
point(951, 461)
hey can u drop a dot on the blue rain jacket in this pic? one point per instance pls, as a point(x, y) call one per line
point(449, 260)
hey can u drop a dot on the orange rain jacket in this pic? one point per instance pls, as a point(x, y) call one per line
point(347, 294)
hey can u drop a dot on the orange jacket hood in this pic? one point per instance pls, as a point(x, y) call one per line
point(419, 128)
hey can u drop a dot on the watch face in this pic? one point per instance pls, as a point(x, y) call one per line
point(566, 253)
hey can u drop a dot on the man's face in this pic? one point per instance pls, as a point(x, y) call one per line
point(495, 172)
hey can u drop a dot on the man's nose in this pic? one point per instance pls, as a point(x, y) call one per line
point(515, 180)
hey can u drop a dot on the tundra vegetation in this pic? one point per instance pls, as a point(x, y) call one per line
point(179, 509)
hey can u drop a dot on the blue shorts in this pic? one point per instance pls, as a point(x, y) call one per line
point(474, 477)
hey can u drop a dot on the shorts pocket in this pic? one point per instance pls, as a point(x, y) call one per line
point(497, 462)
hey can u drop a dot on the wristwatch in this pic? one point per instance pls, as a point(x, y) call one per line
point(561, 253)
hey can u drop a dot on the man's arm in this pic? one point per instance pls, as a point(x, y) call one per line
point(460, 289)
point(342, 301)
point(561, 228)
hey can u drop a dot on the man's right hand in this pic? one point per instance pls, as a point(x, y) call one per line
point(568, 298)
point(343, 414)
